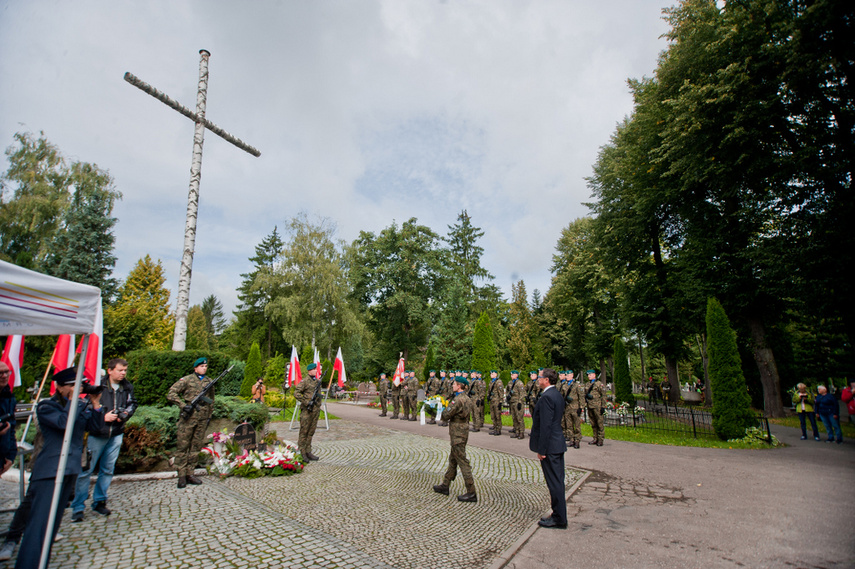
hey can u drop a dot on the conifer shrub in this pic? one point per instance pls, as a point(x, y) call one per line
point(731, 410)
point(483, 348)
point(153, 371)
point(253, 370)
point(623, 382)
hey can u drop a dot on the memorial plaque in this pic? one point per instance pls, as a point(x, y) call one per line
point(245, 436)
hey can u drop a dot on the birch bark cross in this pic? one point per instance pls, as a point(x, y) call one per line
point(183, 305)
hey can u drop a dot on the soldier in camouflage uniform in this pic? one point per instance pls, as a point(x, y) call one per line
point(532, 391)
point(431, 389)
point(396, 396)
point(574, 398)
point(496, 396)
point(410, 395)
point(457, 415)
point(446, 389)
point(383, 389)
point(191, 431)
point(595, 397)
point(309, 395)
point(477, 392)
point(516, 398)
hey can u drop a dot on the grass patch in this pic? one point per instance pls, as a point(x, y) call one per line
point(286, 414)
point(846, 427)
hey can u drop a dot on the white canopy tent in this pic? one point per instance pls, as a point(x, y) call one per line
point(33, 304)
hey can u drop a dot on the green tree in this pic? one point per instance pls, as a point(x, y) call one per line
point(465, 254)
point(140, 317)
point(483, 349)
point(430, 360)
point(525, 344)
point(215, 322)
point(397, 278)
point(623, 382)
point(274, 371)
point(731, 404)
point(33, 198)
point(82, 249)
point(252, 371)
point(198, 337)
point(453, 333)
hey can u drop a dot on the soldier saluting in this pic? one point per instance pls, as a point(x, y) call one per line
point(192, 422)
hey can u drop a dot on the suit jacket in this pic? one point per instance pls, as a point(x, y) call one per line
point(547, 437)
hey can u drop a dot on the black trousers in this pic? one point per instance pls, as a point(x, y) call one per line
point(41, 492)
point(553, 471)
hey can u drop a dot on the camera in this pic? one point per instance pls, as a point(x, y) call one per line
point(89, 389)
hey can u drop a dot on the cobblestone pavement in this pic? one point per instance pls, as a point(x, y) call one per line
point(368, 503)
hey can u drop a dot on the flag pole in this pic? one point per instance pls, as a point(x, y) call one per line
point(37, 395)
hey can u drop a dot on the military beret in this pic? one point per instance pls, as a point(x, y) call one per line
point(569, 371)
point(592, 371)
point(534, 371)
point(513, 371)
point(199, 362)
point(442, 371)
point(66, 376)
point(311, 366)
point(493, 371)
point(462, 381)
point(432, 370)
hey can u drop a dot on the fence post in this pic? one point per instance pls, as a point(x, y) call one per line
point(694, 430)
point(768, 430)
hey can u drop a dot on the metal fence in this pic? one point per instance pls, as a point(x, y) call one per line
point(688, 421)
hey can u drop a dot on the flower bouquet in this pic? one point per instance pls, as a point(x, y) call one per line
point(435, 404)
point(281, 460)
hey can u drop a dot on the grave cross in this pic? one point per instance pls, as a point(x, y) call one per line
point(202, 123)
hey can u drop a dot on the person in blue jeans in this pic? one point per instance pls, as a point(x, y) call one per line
point(119, 403)
point(829, 412)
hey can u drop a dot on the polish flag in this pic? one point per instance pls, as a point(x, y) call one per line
point(13, 356)
point(294, 375)
point(399, 373)
point(63, 354)
point(318, 370)
point(339, 367)
point(92, 367)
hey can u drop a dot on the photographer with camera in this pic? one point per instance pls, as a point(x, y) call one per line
point(8, 444)
point(119, 404)
point(53, 416)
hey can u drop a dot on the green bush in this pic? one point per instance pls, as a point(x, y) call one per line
point(229, 386)
point(731, 410)
point(252, 371)
point(153, 372)
point(483, 348)
point(274, 399)
point(161, 420)
point(141, 449)
point(240, 411)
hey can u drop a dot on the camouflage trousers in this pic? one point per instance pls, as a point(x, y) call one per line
point(189, 438)
point(384, 403)
point(457, 458)
point(496, 415)
point(571, 423)
point(396, 403)
point(518, 417)
point(597, 423)
point(410, 405)
point(308, 424)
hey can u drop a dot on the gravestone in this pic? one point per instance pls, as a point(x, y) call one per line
point(371, 387)
point(245, 436)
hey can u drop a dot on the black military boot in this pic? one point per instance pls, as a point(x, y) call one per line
point(395, 416)
point(468, 497)
point(193, 480)
point(576, 444)
point(441, 488)
point(310, 456)
point(182, 482)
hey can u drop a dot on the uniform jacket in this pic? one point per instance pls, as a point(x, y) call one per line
point(185, 389)
point(412, 387)
point(478, 391)
point(516, 389)
point(457, 417)
point(574, 395)
point(597, 399)
point(383, 386)
point(113, 400)
point(305, 390)
point(496, 392)
point(547, 437)
point(431, 386)
point(53, 416)
point(8, 445)
point(532, 392)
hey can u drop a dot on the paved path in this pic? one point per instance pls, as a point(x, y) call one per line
point(368, 503)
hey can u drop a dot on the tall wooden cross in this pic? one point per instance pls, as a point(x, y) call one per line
point(202, 123)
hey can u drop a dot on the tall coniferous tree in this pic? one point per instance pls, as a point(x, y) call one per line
point(731, 403)
point(483, 349)
point(465, 259)
point(253, 370)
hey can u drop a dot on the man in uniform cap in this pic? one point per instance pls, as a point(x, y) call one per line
point(308, 393)
point(515, 397)
point(383, 389)
point(574, 399)
point(476, 392)
point(395, 390)
point(496, 396)
point(53, 416)
point(457, 416)
point(595, 397)
point(191, 430)
point(431, 389)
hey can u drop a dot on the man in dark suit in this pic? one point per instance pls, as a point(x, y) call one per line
point(547, 440)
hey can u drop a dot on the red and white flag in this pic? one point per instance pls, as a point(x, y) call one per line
point(318, 370)
point(294, 374)
point(13, 356)
point(339, 367)
point(92, 366)
point(399, 373)
point(63, 354)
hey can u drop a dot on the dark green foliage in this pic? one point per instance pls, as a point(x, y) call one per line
point(623, 382)
point(240, 411)
point(230, 384)
point(141, 449)
point(731, 404)
point(252, 371)
point(153, 372)
point(274, 371)
point(430, 362)
point(160, 420)
point(483, 349)
point(453, 334)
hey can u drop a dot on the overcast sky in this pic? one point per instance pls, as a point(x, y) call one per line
point(366, 112)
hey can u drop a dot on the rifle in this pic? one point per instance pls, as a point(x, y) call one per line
point(508, 394)
point(311, 405)
point(490, 394)
point(190, 408)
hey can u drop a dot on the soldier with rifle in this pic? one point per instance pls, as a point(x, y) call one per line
point(514, 399)
point(383, 390)
point(477, 390)
point(308, 393)
point(195, 396)
point(495, 396)
point(532, 391)
point(595, 398)
point(432, 387)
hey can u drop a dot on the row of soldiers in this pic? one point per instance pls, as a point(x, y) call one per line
point(579, 397)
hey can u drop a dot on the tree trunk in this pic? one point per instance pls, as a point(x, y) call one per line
point(673, 378)
point(643, 368)
point(765, 360)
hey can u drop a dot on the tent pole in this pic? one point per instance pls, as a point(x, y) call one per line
point(36, 397)
point(63, 457)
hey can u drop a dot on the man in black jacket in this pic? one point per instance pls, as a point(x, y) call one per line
point(119, 405)
point(547, 440)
